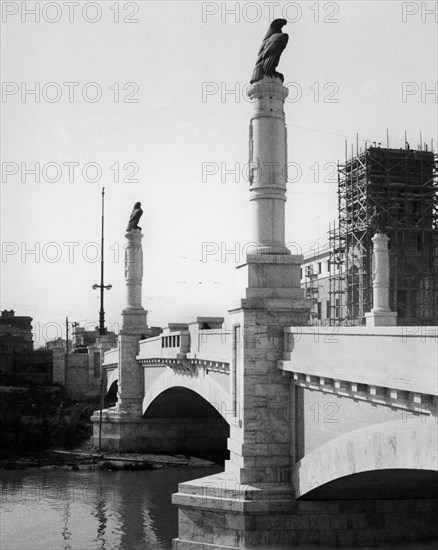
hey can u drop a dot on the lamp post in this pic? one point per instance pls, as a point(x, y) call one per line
point(102, 330)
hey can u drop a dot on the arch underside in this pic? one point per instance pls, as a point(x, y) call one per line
point(182, 413)
point(207, 389)
point(112, 376)
point(379, 484)
point(392, 458)
point(180, 420)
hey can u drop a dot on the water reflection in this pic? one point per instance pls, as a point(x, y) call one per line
point(66, 534)
point(53, 509)
point(102, 521)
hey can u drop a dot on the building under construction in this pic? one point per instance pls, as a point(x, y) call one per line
point(395, 190)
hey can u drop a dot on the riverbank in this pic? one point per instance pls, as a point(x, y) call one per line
point(41, 428)
point(89, 459)
point(35, 419)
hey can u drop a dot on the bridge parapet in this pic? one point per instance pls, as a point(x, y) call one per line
point(386, 361)
point(168, 345)
point(211, 345)
point(111, 358)
point(200, 342)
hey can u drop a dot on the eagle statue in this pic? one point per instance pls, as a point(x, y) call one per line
point(377, 222)
point(270, 51)
point(136, 214)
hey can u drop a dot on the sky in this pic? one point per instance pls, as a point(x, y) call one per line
point(147, 99)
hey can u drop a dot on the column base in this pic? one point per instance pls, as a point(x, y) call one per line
point(135, 322)
point(381, 319)
point(275, 278)
point(217, 512)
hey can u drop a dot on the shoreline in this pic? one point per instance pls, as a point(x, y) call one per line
point(81, 459)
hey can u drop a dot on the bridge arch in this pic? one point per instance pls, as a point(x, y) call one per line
point(204, 386)
point(390, 446)
point(180, 420)
point(111, 377)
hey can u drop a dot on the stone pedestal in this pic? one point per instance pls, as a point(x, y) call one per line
point(246, 506)
point(380, 315)
point(121, 424)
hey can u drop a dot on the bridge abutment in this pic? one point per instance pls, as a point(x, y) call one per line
point(247, 505)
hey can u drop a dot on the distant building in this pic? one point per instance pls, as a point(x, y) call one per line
point(15, 332)
point(79, 370)
point(315, 280)
point(57, 343)
point(82, 338)
point(18, 360)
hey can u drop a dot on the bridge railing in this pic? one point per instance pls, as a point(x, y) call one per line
point(167, 345)
point(196, 343)
point(210, 345)
point(111, 357)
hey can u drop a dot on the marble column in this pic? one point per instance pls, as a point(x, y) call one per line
point(268, 165)
point(381, 315)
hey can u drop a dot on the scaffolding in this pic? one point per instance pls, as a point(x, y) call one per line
point(401, 185)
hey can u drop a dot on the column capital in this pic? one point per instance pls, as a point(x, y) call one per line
point(270, 87)
point(380, 239)
point(134, 235)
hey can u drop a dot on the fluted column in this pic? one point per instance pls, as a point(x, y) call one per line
point(133, 269)
point(380, 272)
point(381, 315)
point(268, 166)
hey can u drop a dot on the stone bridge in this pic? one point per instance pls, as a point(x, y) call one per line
point(331, 432)
point(371, 408)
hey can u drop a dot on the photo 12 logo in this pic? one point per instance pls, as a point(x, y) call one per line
point(420, 91)
point(292, 172)
point(225, 92)
point(71, 12)
point(69, 92)
point(53, 252)
point(69, 171)
point(426, 12)
point(253, 12)
point(221, 252)
point(72, 251)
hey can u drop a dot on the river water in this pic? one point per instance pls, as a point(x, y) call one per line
point(87, 510)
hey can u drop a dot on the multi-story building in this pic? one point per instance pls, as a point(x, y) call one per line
point(315, 280)
point(15, 332)
point(18, 360)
